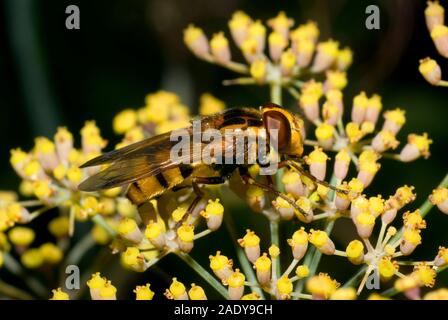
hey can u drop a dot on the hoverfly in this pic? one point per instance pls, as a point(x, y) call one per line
point(148, 170)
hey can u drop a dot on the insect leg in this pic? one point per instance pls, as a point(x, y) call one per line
point(268, 188)
point(199, 193)
point(314, 179)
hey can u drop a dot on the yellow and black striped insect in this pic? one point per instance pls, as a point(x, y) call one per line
point(149, 170)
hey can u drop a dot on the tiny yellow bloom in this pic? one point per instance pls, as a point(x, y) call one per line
point(143, 292)
point(58, 294)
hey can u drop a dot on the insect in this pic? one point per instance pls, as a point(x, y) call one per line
point(149, 170)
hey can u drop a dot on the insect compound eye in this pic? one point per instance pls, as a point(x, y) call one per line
point(275, 120)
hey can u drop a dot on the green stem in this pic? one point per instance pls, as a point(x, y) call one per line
point(99, 220)
point(204, 274)
point(13, 292)
point(15, 268)
point(355, 278)
point(275, 240)
point(242, 258)
point(79, 250)
point(276, 93)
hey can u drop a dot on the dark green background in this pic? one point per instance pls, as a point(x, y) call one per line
point(52, 76)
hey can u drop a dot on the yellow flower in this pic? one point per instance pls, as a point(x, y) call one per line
point(219, 261)
point(258, 70)
point(108, 291)
point(344, 294)
point(430, 70)
point(186, 233)
point(32, 258)
point(127, 226)
point(209, 105)
point(413, 236)
point(316, 156)
point(387, 267)
point(425, 274)
point(124, 121)
point(284, 287)
point(21, 236)
point(96, 281)
point(196, 293)
point(414, 220)
point(51, 253)
point(440, 294)
point(249, 240)
point(59, 226)
point(100, 235)
point(236, 279)
point(337, 79)
point(251, 296)
point(143, 292)
point(177, 289)
point(322, 285)
point(263, 263)
point(58, 294)
point(302, 271)
point(355, 250)
point(274, 251)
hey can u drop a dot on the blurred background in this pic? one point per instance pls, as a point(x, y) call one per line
point(125, 49)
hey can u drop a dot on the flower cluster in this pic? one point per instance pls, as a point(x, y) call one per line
point(435, 21)
point(343, 154)
point(163, 112)
point(290, 51)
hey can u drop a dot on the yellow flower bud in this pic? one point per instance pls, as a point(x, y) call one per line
point(430, 70)
point(322, 286)
point(32, 258)
point(125, 121)
point(258, 70)
point(355, 251)
point(58, 294)
point(196, 293)
point(51, 253)
point(21, 236)
point(143, 292)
